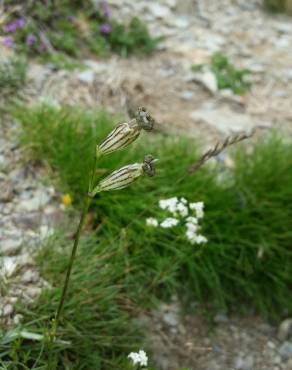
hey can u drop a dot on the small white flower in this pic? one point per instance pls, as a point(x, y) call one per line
point(151, 222)
point(182, 209)
point(192, 220)
point(201, 239)
point(139, 358)
point(183, 200)
point(166, 203)
point(199, 208)
point(169, 222)
point(191, 235)
point(192, 227)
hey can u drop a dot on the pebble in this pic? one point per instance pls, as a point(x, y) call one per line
point(187, 95)
point(158, 10)
point(285, 330)
point(208, 80)
point(38, 200)
point(7, 310)
point(244, 363)
point(30, 276)
point(87, 76)
point(221, 318)
point(285, 350)
point(10, 246)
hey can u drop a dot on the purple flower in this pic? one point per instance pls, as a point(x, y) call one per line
point(19, 22)
point(30, 40)
point(9, 42)
point(10, 27)
point(14, 25)
point(104, 8)
point(105, 28)
point(72, 19)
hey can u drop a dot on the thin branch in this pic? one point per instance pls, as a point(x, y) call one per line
point(218, 148)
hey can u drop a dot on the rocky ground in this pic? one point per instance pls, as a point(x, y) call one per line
point(182, 101)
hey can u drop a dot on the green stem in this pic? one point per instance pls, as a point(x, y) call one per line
point(51, 364)
point(73, 254)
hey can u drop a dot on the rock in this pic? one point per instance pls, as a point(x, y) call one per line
point(2, 160)
point(285, 330)
point(30, 276)
point(158, 10)
point(17, 319)
point(7, 310)
point(171, 319)
point(187, 95)
point(285, 350)
point(221, 318)
point(40, 199)
point(244, 363)
point(10, 246)
point(86, 76)
point(46, 232)
point(208, 80)
point(8, 266)
point(33, 291)
point(226, 120)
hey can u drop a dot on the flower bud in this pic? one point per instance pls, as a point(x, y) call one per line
point(125, 133)
point(125, 176)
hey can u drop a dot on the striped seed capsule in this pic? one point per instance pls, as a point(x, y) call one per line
point(125, 133)
point(125, 176)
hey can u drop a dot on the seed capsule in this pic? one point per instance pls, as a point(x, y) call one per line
point(125, 133)
point(125, 176)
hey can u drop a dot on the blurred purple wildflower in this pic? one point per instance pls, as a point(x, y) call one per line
point(105, 8)
point(9, 42)
point(72, 19)
point(20, 22)
point(14, 25)
point(30, 40)
point(105, 28)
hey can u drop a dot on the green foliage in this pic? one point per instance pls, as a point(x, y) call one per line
point(275, 5)
point(97, 331)
point(228, 76)
point(243, 216)
point(12, 74)
point(132, 39)
point(246, 262)
point(73, 28)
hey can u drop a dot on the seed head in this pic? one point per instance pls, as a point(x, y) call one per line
point(125, 133)
point(125, 176)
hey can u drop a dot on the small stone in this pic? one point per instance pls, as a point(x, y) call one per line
point(285, 350)
point(10, 246)
point(7, 310)
point(208, 80)
point(285, 330)
point(86, 76)
point(30, 276)
point(158, 10)
point(46, 232)
point(17, 319)
point(244, 363)
point(40, 199)
point(221, 318)
point(187, 95)
point(171, 319)
point(33, 291)
point(226, 120)
point(8, 266)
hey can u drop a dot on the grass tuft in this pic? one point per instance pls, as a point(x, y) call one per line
point(124, 266)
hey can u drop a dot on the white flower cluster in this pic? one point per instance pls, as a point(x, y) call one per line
point(182, 211)
point(139, 358)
